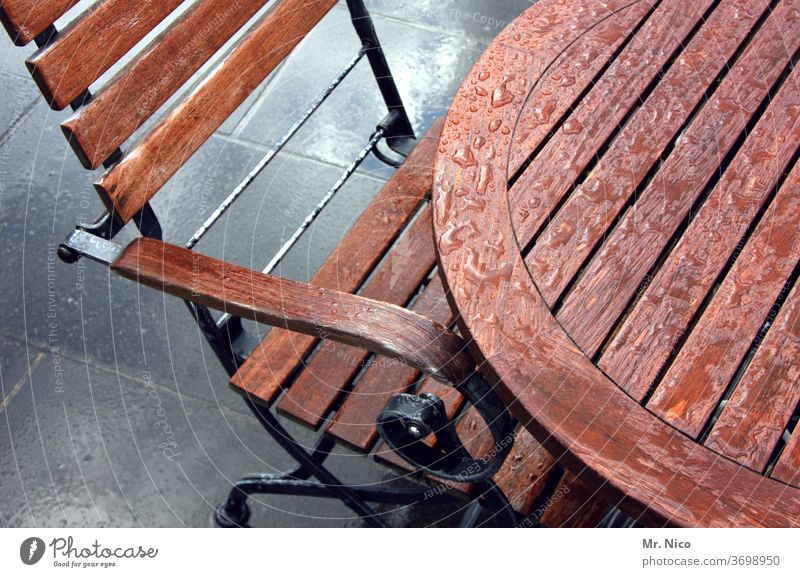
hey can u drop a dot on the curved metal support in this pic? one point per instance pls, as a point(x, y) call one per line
point(407, 420)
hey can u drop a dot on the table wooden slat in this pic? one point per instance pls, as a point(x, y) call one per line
point(787, 468)
point(315, 390)
point(554, 388)
point(617, 271)
point(657, 322)
point(721, 338)
point(590, 211)
point(758, 411)
point(551, 175)
point(573, 73)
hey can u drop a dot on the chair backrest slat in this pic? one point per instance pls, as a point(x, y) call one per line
point(128, 186)
point(146, 83)
point(24, 20)
point(92, 44)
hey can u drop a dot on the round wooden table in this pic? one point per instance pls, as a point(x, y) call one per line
point(615, 208)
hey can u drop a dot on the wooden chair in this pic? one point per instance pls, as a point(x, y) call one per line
point(335, 371)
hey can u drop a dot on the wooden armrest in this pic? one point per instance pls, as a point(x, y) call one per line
point(377, 326)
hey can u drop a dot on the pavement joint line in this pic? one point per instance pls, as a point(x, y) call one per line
point(18, 386)
point(15, 124)
point(427, 27)
point(265, 148)
point(121, 373)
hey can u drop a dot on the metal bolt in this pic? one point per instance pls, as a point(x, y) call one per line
point(414, 431)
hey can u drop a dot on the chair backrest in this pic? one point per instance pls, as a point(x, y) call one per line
point(69, 61)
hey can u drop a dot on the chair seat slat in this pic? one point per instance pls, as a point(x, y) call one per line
point(280, 353)
point(354, 423)
point(311, 396)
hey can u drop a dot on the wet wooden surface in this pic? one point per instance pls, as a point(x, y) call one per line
point(379, 327)
point(86, 49)
point(24, 20)
point(146, 83)
point(613, 204)
point(130, 184)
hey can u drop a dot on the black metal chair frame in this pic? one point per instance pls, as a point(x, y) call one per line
point(232, 344)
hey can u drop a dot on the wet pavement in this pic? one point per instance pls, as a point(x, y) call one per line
point(114, 411)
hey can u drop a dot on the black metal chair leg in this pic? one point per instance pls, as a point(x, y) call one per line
point(234, 511)
point(306, 460)
point(493, 498)
point(472, 514)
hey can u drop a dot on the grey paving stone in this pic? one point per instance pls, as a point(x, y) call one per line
point(427, 65)
point(477, 19)
point(94, 447)
point(85, 446)
point(12, 58)
point(19, 98)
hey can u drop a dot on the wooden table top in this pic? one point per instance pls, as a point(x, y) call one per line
point(615, 206)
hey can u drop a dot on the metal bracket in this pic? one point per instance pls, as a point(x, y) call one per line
point(407, 420)
point(392, 126)
point(80, 243)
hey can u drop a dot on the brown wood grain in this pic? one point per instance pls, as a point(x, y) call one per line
point(617, 271)
point(385, 329)
point(655, 473)
point(573, 72)
point(128, 186)
point(24, 20)
point(787, 469)
point(758, 411)
point(167, 63)
point(720, 340)
point(270, 365)
point(551, 175)
point(522, 476)
point(93, 43)
point(525, 472)
point(663, 313)
point(313, 393)
point(573, 504)
point(587, 215)
point(354, 423)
